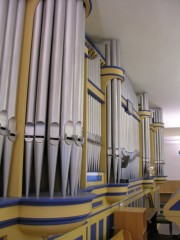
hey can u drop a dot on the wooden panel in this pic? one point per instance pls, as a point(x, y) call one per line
point(169, 186)
point(132, 219)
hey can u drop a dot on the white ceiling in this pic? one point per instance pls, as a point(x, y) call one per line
point(149, 34)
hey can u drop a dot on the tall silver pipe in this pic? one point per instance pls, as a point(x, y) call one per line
point(11, 107)
point(30, 111)
point(88, 134)
point(109, 113)
point(42, 90)
point(119, 110)
point(82, 90)
point(3, 19)
point(55, 91)
point(77, 104)
point(67, 129)
point(6, 70)
point(114, 113)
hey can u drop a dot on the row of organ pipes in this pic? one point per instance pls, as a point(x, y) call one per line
point(94, 134)
point(94, 116)
point(144, 106)
point(53, 133)
point(57, 65)
point(122, 127)
point(12, 14)
point(157, 117)
point(130, 132)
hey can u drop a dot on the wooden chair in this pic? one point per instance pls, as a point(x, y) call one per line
point(160, 218)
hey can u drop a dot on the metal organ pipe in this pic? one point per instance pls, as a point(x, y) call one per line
point(3, 19)
point(114, 113)
point(130, 134)
point(55, 91)
point(77, 103)
point(42, 90)
point(30, 112)
point(67, 129)
point(6, 69)
point(159, 141)
point(144, 105)
point(109, 113)
point(60, 40)
point(11, 106)
point(119, 110)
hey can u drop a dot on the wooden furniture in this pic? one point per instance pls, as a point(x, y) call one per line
point(162, 220)
point(140, 222)
point(132, 219)
point(151, 212)
point(167, 189)
point(151, 221)
point(122, 235)
point(172, 208)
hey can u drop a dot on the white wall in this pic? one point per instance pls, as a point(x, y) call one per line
point(171, 148)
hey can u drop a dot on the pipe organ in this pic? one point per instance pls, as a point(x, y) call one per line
point(58, 36)
point(11, 29)
point(145, 115)
point(130, 132)
point(157, 123)
point(73, 142)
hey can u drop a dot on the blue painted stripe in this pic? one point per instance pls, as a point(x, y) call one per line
point(101, 230)
point(82, 198)
point(109, 225)
point(86, 56)
point(176, 206)
point(97, 178)
point(95, 96)
point(131, 191)
point(6, 202)
point(134, 116)
point(97, 204)
point(126, 109)
point(51, 221)
point(8, 223)
point(117, 194)
point(96, 49)
point(96, 86)
point(118, 185)
point(101, 195)
point(93, 231)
